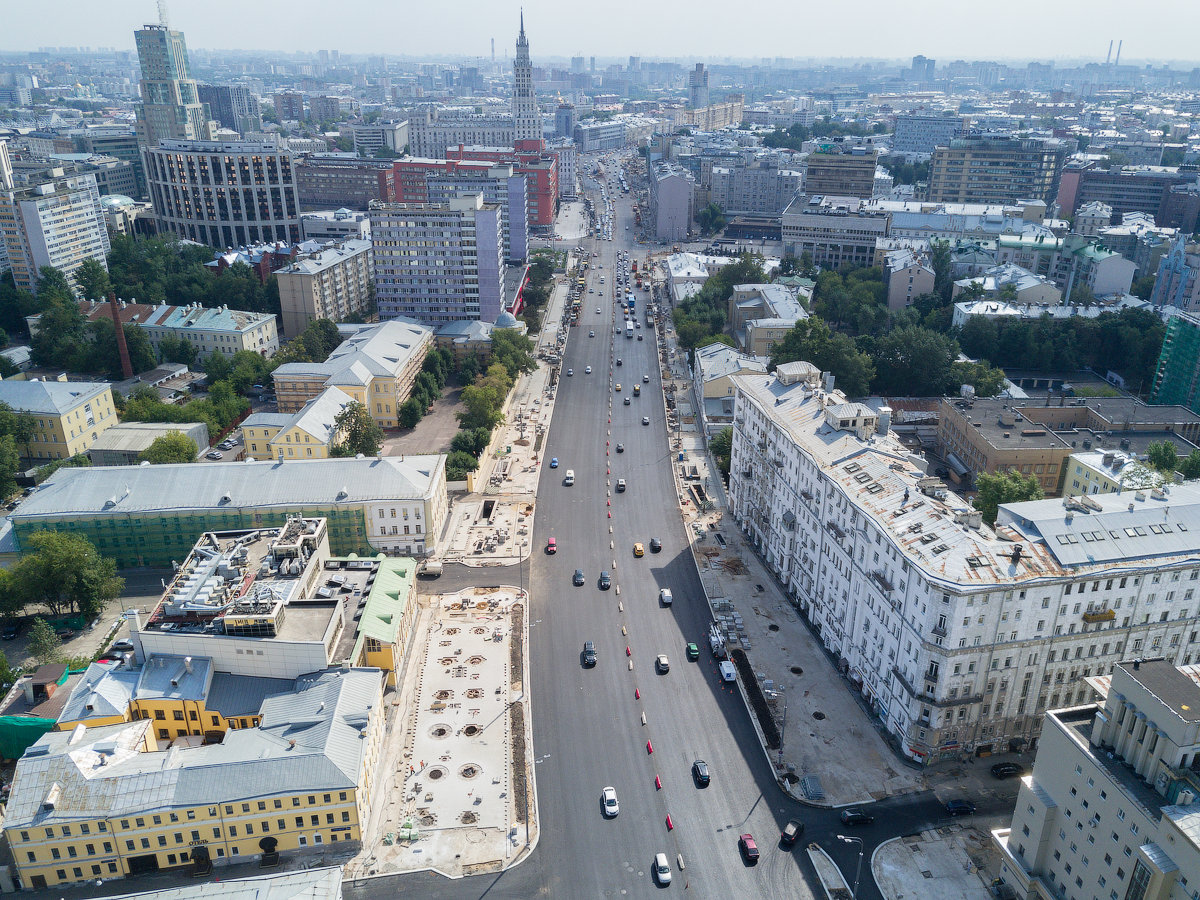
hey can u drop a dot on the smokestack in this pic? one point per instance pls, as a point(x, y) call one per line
point(1117, 61)
point(1108, 58)
point(122, 347)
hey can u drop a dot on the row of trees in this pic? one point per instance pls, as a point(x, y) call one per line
point(701, 318)
point(537, 291)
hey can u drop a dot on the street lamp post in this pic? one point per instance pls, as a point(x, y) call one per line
point(858, 871)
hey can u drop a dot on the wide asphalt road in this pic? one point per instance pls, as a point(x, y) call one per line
point(588, 731)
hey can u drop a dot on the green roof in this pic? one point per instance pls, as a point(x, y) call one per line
point(386, 601)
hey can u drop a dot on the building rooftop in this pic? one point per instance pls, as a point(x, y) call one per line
point(306, 884)
point(717, 360)
point(1006, 428)
point(137, 436)
point(1078, 722)
point(381, 350)
point(49, 397)
point(330, 255)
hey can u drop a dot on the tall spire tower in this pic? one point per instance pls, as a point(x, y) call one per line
point(527, 118)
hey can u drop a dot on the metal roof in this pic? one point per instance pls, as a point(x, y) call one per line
point(49, 397)
point(390, 594)
point(306, 884)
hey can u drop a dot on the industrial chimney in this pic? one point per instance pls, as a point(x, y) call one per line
point(122, 347)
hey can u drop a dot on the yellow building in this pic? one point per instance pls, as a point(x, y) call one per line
point(68, 415)
point(387, 619)
point(310, 433)
point(377, 366)
point(1107, 472)
point(991, 436)
point(119, 799)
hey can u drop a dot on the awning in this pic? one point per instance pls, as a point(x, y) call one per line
point(956, 464)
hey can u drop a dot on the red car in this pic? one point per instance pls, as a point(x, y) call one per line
point(551, 546)
point(748, 847)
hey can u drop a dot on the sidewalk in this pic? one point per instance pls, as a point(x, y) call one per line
point(945, 866)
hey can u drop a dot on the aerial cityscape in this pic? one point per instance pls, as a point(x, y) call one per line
point(584, 462)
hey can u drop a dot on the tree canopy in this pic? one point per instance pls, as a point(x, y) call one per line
point(358, 432)
point(1004, 487)
point(811, 340)
point(703, 315)
point(172, 447)
point(64, 574)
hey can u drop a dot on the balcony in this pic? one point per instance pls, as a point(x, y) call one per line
point(939, 630)
point(881, 580)
point(926, 697)
point(1099, 615)
point(836, 529)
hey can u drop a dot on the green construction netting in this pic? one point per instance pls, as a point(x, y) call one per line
point(18, 733)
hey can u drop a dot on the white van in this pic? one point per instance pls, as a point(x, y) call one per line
point(569, 478)
point(728, 672)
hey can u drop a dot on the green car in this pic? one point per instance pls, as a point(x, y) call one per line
point(693, 652)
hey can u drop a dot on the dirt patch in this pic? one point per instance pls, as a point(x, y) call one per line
point(516, 647)
point(516, 714)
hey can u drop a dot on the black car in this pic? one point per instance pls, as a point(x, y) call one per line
point(856, 817)
point(655, 545)
point(578, 578)
point(10, 631)
point(960, 807)
point(589, 653)
point(620, 448)
point(605, 581)
point(791, 832)
point(1007, 770)
point(700, 773)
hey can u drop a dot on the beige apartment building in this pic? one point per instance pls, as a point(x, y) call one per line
point(334, 283)
point(990, 436)
point(68, 416)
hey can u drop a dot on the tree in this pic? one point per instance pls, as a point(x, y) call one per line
point(721, 447)
point(359, 433)
point(458, 464)
point(43, 642)
point(1004, 487)
point(1189, 466)
point(913, 362)
point(410, 413)
point(811, 340)
point(65, 573)
point(177, 350)
point(513, 350)
point(711, 219)
point(172, 447)
point(1163, 456)
point(484, 400)
point(986, 379)
point(93, 281)
point(53, 283)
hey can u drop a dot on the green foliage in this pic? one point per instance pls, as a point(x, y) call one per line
point(66, 340)
point(174, 349)
point(483, 401)
point(855, 303)
point(410, 413)
point(1189, 466)
point(172, 447)
point(458, 464)
point(1143, 287)
point(220, 409)
point(314, 344)
point(711, 219)
point(92, 278)
point(15, 305)
point(812, 341)
point(53, 284)
point(703, 315)
point(440, 364)
point(1163, 456)
point(65, 574)
point(905, 172)
point(513, 350)
point(913, 361)
point(359, 433)
point(43, 642)
point(721, 446)
point(1004, 487)
point(473, 441)
point(78, 461)
point(986, 379)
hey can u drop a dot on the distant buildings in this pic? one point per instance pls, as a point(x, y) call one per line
point(375, 136)
point(438, 263)
point(289, 106)
point(335, 283)
point(224, 194)
point(1177, 283)
point(672, 191)
point(68, 415)
point(1161, 192)
point(593, 136)
point(990, 168)
point(920, 135)
point(171, 108)
point(328, 181)
point(755, 189)
point(432, 130)
point(235, 106)
point(698, 94)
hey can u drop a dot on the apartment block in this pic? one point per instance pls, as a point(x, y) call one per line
point(758, 189)
point(847, 174)
point(327, 181)
point(439, 262)
point(922, 134)
point(376, 365)
point(1124, 189)
point(996, 168)
point(58, 221)
point(959, 636)
point(68, 416)
point(335, 282)
point(371, 138)
point(836, 231)
point(289, 106)
point(672, 201)
point(1109, 808)
point(224, 194)
point(538, 165)
point(171, 108)
point(432, 130)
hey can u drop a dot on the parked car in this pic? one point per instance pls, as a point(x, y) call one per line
point(856, 817)
point(960, 807)
point(1007, 770)
point(748, 848)
point(214, 454)
point(664, 597)
point(123, 646)
point(10, 631)
point(662, 869)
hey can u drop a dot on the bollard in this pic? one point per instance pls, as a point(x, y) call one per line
point(670, 824)
point(657, 783)
point(649, 747)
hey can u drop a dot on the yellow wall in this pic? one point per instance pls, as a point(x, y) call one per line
point(60, 437)
point(296, 443)
point(258, 438)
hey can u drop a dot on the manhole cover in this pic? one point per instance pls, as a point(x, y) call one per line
point(472, 730)
point(450, 631)
point(818, 715)
point(772, 627)
point(468, 771)
point(435, 773)
point(475, 660)
point(474, 694)
point(796, 670)
point(439, 731)
point(468, 818)
point(444, 695)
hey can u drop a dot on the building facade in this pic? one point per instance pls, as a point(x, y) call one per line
point(758, 189)
point(390, 136)
point(235, 106)
point(672, 201)
point(920, 134)
point(432, 130)
point(532, 160)
point(836, 231)
point(326, 181)
point(171, 108)
point(527, 116)
point(68, 416)
point(1177, 376)
point(224, 194)
point(996, 169)
point(847, 174)
point(209, 329)
point(334, 283)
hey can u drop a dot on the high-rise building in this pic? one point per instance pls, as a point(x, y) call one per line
point(846, 174)
point(438, 262)
point(577, 65)
point(289, 106)
point(923, 68)
point(672, 192)
point(171, 108)
point(996, 168)
point(531, 159)
point(698, 87)
point(527, 117)
point(324, 109)
point(333, 283)
point(57, 221)
point(923, 133)
point(565, 119)
point(117, 141)
point(224, 194)
point(233, 105)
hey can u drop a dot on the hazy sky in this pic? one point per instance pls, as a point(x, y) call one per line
point(944, 29)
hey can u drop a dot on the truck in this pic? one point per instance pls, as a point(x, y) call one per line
point(631, 304)
point(629, 329)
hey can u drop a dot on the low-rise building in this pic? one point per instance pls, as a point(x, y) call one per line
point(125, 442)
point(990, 436)
point(1091, 217)
point(907, 277)
point(1110, 471)
point(210, 330)
point(714, 366)
point(376, 366)
point(760, 314)
point(1017, 285)
point(68, 416)
point(310, 433)
point(336, 225)
point(835, 231)
point(335, 282)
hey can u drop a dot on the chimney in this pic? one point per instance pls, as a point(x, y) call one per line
point(122, 347)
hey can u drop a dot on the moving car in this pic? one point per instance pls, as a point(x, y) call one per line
point(700, 773)
point(609, 800)
point(637, 390)
point(645, 379)
point(620, 485)
point(664, 597)
point(960, 807)
point(627, 401)
point(551, 546)
point(655, 545)
point(554, 462)
point(577, 579)
point(748, 848)
point(597, 310)
point(662, 869)
point(587, 370)
point(569, 478)
point(693, 652)
point(605, 581)
point(791, 831)
point(728, 670)
point(591, 334)
point(589, 654)
point(570, 372)
point(1007, 770)
point(856, 817)
point(618, 387)
point(638, 549)
point(620, 362)
point(645, 420)
point(662, 664)
point(620, 448)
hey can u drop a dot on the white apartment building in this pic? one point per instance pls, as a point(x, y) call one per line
point(333, 283)
point(59, 223)
point(757, 189)
point(369, 139)
point(1109, 811)
point(432, 130)
point(960, 636)
point(919, 135)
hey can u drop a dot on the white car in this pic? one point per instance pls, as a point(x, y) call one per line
point(597, 310)
point(664, 597)
point(609, 798)
point(662, 869)
point(587, 370)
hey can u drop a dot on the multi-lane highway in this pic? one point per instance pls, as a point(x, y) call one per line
point(587, 722)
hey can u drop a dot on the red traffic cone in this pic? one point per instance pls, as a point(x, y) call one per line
point(649, 747)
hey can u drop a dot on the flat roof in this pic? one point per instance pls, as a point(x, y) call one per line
point(305, 884)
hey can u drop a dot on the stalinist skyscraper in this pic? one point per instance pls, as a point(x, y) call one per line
point(527, 118)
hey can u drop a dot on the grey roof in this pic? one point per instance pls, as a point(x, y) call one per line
point(716, 360)
point(377, 350)
point(186, 486)
point(175, 677)
point(56, 397)
point(278, 420)
point(137, 436)
point(106, 689)
point(243, 695)
point(307, 884)
point(1173, 688)
point(309, 739)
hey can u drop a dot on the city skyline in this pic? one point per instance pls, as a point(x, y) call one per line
point(631, 29)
